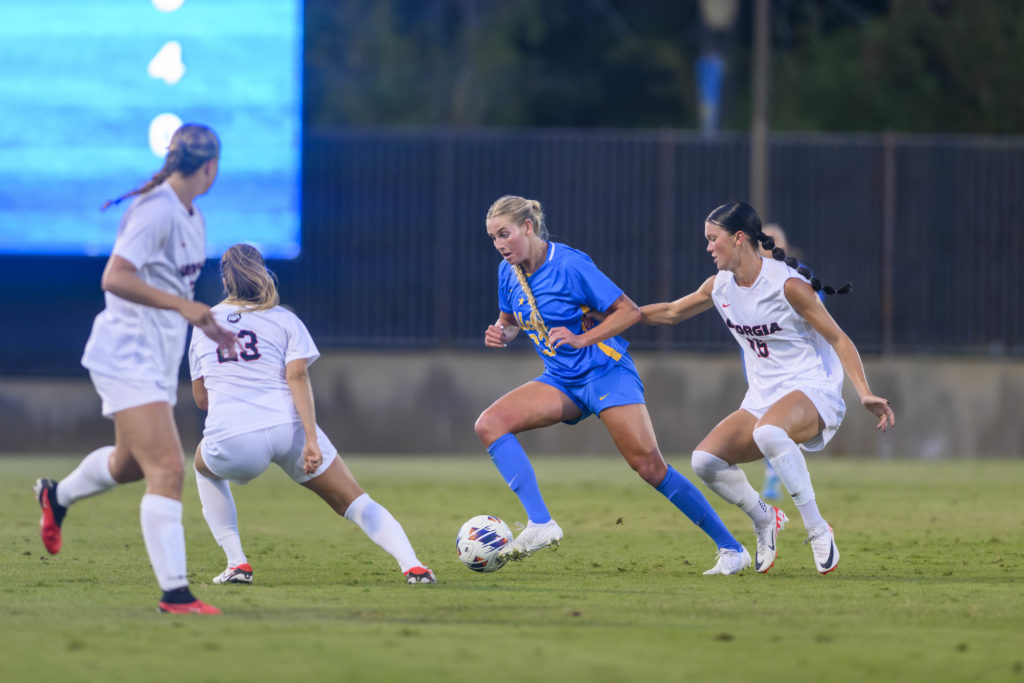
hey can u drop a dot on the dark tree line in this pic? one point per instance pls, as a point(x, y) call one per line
point(952, 66)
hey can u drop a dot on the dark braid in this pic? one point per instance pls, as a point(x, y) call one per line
point(191, 146)
point(768, 244)
point(737, 216)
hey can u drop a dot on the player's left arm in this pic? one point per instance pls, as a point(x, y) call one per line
point(199, 393)
point(805, 301)
point(297, 375)
point(619, 317)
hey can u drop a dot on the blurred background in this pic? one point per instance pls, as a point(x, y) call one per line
point(364, 140)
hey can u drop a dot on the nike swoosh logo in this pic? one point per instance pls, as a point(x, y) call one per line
point(758, 563)
point(831, 553)
point(726, 305)
point(601, 398)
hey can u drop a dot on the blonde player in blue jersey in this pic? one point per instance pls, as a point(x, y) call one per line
point(133, 356)
point(545, 289)
point(795, 357)
point(260, 410)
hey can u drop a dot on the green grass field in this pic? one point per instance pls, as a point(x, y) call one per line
point(929, 586)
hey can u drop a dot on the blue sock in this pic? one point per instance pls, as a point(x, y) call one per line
point(510, 459)
point(694, 505)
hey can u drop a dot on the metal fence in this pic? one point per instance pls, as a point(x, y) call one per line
point(395, 252)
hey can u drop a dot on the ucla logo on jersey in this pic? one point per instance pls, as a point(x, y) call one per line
point(535, 333)
point(762, 330)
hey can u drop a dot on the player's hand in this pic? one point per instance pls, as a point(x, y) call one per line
point(495, 337)
point(199, 314)
point(592, 319)
point(881, 409)
point(561, 335)
point(312, 458)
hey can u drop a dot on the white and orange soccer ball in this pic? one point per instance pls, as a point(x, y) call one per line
point(480, 540)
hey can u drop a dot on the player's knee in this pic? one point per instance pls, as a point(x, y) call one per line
point(164, 473)
point(770, 439)
point(706, 466)
point(651, 468)
point(489, 427)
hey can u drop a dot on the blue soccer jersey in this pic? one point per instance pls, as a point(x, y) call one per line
point(565, 287)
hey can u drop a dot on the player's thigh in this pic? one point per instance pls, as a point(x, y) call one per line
point(148, 435)
point(732, 439)
point(530, 406)
point(631, 429)
point(796, 414)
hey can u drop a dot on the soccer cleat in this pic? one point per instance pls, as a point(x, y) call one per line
point(531, 539)
point(419, 575)
point(194, 607)
point(239, 574)
point(730, 562)
point(823, 546)
point(53, 514)
point(764, 556)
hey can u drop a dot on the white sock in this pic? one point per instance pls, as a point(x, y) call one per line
point(92, 476)
point(383, 529)
point(165, 540)
point(221, 516)
point(730, 482)
point(788, 462)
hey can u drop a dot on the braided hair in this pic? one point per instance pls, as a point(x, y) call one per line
point(191, 146)
point(736, 217)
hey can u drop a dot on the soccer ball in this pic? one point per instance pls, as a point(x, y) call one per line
point(480, 540)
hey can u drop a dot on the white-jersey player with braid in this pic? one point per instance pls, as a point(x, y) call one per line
point(133, 356)
point(260, 410)
point(795, 358)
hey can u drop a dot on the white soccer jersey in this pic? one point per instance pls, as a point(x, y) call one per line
point(250, 392)
point(167, 245)
point(782, 351)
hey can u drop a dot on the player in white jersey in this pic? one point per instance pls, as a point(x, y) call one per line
point(134, 353)
point(260, 410)
point(795, 355)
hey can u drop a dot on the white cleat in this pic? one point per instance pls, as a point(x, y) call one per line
point(533, 538)
point(764, 556)
point(730, 562)
point(239, 574)
point(823, 546)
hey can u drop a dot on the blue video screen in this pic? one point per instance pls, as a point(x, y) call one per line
point(90, 93)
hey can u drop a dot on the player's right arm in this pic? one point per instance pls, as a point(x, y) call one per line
point(672, 312)
point(296, 373)
point(504, 330)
